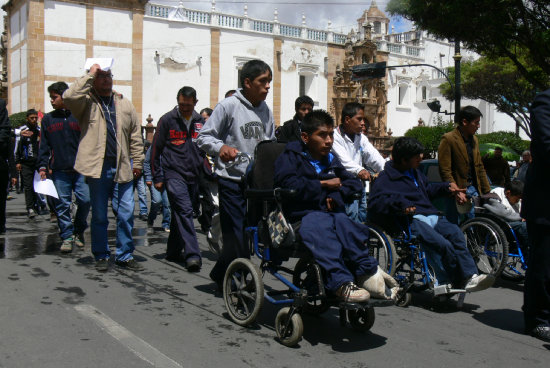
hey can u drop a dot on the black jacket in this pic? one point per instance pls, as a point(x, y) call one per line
point(59, 141)
point(536, 202)
point(293, 170)
point(27, 148)
point(174, 153)
point(289, 132)
point(6, 144)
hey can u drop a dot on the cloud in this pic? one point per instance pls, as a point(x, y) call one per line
point(343, 15)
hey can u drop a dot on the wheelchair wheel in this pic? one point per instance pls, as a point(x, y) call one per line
point(243, 291)
point(487, 245)
point(382, 248)
point(305, 277)
point(404, 300)
point(361, 319)
point(288, 331)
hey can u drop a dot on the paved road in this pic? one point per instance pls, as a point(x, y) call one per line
point(57, 311)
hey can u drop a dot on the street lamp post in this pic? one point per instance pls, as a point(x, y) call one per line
point(457, 58)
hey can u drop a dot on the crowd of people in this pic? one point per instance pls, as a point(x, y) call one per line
point(91, 146)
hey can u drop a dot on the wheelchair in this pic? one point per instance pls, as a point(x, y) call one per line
point(415, 269)
point(495, 246)
point(303, 289)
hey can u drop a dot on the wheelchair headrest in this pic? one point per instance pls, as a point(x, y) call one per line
point(263, 171)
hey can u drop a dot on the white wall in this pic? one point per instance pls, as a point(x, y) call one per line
point(307, 59)
point(112, 25)
point(64, 19)
point(15, 63)
point(122, 66)
point(179, 45)
point(62, 58)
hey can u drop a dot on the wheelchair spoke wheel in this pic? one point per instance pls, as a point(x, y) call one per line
point(382, 248)
point(289, 328)
point(243, 291)
point(305, 277)
point(361, 319)
point(514, 269)
point(487, 245)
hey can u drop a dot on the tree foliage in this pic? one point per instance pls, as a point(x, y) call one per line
point(430, 136)
point(18, 119)
point(507, 139)
point(497, 81)
point(516, 29)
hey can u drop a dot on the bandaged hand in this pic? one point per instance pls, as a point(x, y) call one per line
point(380, 285)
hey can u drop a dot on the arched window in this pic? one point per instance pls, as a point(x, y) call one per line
point(377, 27)
point(364, 59)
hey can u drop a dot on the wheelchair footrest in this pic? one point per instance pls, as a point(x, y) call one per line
point(446, 289)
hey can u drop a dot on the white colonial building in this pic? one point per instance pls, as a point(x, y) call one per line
point(158, 49)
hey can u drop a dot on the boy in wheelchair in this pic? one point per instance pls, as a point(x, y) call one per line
point(402, 189)
point(323, 185)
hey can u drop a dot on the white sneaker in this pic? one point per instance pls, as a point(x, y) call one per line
point(67, 245)
point(479, 282)
point(349, 292)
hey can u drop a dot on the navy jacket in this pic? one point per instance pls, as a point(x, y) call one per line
point(174, 153)
point(27, 148)
point(294, 171)
point(536, 201)
point(393, 191)
point(59, 141)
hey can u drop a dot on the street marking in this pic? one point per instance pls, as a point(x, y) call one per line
point(138, 346)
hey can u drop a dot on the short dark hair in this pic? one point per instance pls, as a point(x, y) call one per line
point(187, 92)
point(515, 187)
point(252, 69)
point(58, 88)
point(301, 101)
point(350, 110)
point(498, 148)
point(406, 148)
point(207, 110)
point(316, 118)
point(230, 93)
point(470, 113)
point(31, 112)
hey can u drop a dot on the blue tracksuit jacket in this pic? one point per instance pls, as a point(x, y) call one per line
point(59, 141)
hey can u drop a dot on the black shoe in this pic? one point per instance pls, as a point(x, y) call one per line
point(541, 333)
point(176, 259)
point(102, 265)
point(193, 265)
point(130, 264)
point(218, 282)
point(144, 217)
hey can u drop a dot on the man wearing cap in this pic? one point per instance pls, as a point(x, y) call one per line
point(110, 152)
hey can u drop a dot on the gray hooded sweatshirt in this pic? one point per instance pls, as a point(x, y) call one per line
point(236, 123)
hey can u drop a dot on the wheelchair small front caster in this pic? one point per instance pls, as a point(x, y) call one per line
point(404, 300)
point(289, 328)
point(361, 319)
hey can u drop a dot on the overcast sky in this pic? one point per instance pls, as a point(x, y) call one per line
point(342, 14)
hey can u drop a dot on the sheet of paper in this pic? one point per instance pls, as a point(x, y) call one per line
point(104, 63)
point(45, 187)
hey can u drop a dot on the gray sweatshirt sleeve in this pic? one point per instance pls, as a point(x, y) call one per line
point(210, 136)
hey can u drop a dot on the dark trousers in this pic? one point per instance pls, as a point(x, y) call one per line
point(232, 218)
point(182, 230)
point(4, 182)
point(27, 175)
point(333, 238)
point(448, 241)
point(536, 294)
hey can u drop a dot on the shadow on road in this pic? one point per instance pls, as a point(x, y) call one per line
point(504, 319)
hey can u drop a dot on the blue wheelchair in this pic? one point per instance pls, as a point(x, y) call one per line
point(415, 268)
point(303, 289)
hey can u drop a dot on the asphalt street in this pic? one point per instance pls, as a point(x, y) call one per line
point(57, 311)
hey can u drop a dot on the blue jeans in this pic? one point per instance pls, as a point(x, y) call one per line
point(65, 183)
point(100, 191)
point(142, 195)
point(158, 199)
point(357, 210)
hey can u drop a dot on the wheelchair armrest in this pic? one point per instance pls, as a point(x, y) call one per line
point(285, 192)
point(260, 193)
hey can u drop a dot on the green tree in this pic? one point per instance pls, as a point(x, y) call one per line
point(18, 119)
point(508, 139)
point(497, 81)
point(517, 30)
point(430, 136)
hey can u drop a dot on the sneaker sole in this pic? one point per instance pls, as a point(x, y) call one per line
point(485, 284)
